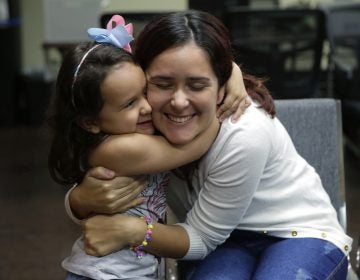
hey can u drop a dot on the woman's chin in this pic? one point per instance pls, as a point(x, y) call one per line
point(178, 139)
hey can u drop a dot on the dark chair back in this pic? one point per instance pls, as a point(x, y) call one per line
point(284, 45)
point(343, 33)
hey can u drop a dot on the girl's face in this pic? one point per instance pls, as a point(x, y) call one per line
point(183, 92)
point(125, 109)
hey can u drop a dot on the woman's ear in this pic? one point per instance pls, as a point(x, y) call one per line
point(89, 124)
point(221, 95)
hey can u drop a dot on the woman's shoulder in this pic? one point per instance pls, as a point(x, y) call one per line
point(252, 134)
point(254, 122)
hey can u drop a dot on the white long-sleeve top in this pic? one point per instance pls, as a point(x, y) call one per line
point(252, 178)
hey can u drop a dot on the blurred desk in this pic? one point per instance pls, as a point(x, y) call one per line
point(54, 53)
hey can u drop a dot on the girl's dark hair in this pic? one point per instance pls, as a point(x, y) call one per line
point(176, 29)
point(74, 101)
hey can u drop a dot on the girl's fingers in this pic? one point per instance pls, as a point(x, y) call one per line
point(231, 109)
point(240, 109)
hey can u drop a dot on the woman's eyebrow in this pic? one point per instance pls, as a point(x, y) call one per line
point(160, 77)
point(198, 79)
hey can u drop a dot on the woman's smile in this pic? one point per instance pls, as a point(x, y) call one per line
point(180, 119)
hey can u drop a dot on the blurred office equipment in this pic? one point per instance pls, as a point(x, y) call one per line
point(4, 10)
point(343, 33)
point(139, 12)
point(65, 24)
point(216, 7)
point(138, 19)
point(10, 59)
point(66, 21)
point(283, 45)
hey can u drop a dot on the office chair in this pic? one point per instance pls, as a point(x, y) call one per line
point(343, 33)
point(283, 45)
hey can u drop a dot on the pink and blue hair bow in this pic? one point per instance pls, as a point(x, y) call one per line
point(116, 33)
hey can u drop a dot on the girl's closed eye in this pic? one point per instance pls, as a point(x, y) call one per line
point(129, 104)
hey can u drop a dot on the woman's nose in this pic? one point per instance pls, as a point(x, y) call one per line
point(179, 99)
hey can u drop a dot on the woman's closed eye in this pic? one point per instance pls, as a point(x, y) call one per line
point(197, 86)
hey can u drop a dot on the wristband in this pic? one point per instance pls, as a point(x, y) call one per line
point(139, 249)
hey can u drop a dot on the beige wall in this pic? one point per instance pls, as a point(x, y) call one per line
point(31, 34)
point(144, 5)
point(32, 27)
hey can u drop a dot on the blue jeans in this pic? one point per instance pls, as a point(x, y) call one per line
point(249, 255)
point(72, 276)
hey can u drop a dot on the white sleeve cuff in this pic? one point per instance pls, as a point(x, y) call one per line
point(68, 208)
point(197, 249)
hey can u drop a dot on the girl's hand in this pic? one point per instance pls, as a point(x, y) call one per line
point(104, 193)
point(236, 99)
point(106, 234)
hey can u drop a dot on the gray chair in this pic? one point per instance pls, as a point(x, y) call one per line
point(315, 126)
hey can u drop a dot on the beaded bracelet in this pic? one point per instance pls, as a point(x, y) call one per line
point(139, 249)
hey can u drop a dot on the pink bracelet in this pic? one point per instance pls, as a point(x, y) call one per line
point(139, 249)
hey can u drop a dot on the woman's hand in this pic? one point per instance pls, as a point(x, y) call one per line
point(236, 99)
point(106, 234)
point(104, 193)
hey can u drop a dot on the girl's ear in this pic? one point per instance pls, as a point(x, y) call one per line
point(89, 124)
point(221, 95)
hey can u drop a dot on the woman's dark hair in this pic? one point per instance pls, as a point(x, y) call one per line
point(206, 31)
point(77, 98)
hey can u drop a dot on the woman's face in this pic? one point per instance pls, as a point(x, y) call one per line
point(183, 92)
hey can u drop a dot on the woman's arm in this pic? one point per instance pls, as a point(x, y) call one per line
point(106, 234)
point(236, 98)
point(135, 154)
point(102, 192)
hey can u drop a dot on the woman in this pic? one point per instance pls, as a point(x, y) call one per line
point(256, 208)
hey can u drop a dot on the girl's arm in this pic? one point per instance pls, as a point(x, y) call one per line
point(236, 99)
point(135, 154)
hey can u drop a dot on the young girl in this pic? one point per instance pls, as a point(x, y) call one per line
point(101, 117)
